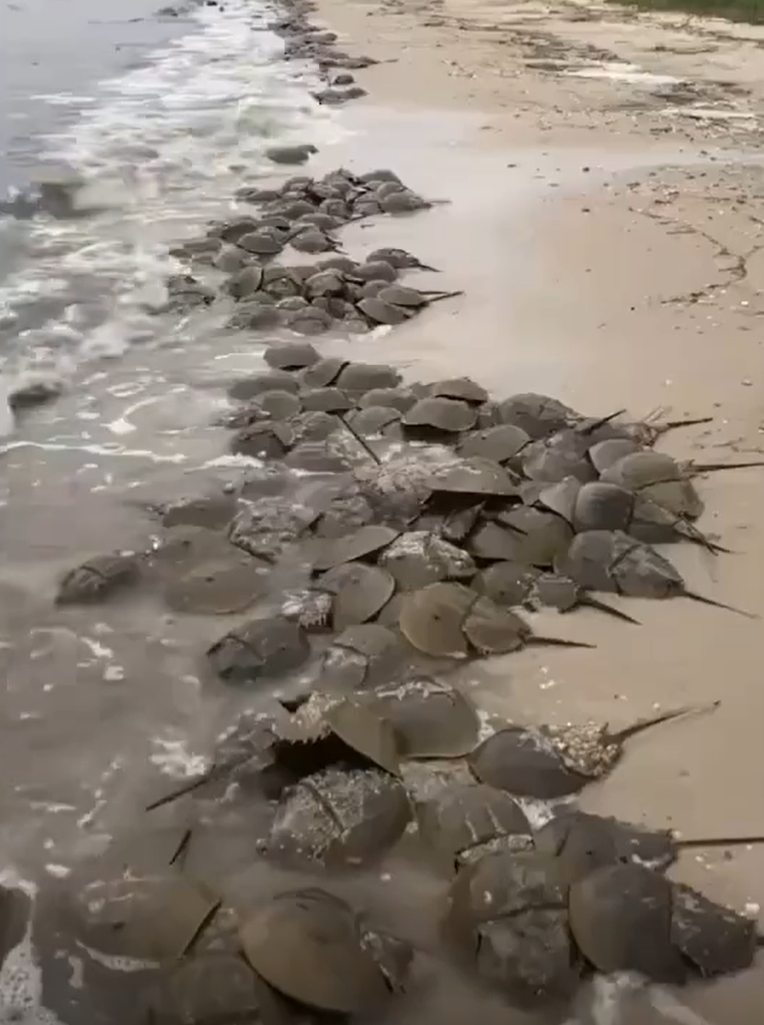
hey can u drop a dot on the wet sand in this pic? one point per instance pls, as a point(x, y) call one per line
point(611, 254)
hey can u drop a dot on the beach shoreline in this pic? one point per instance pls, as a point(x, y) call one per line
point(608, 247)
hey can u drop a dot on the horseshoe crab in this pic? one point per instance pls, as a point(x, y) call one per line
point(599, 505)
point(501, 444)
point(309, 946)
point(209, 987)
point(506, 583)
point(339, 263)
point(605, 453)
point(365, 541)
point(345, 513)
point(218, 586)
point(400, 399)
point(360, 592)
point(620, 918)
point(524, 761)
point(322, 373)
point(381, 312)
point(431, 619)
point(372, 420)
point(473, 476)
point(250, 387)
point(538, 415)
point(507, 916)
point(259, 244)
point(359, 655)
point(418, 558)
point(467, 822)
point(340, 818)
point(444, 619)
point(263, 440)
point(266, 526)
point(714, 939)
point(515, 583)
point(463, 388)
point(377, 270)
point(398, 258)
point(430, 719)
point(98, 578)
point(581, 842)
point(327, 400)
point(603, 560)
point(552, 761)
point(556, 456)
point(556, 591)
point(357, 378)
point(659, 477)
point(407, 298)
point(317, 457)
point(312, 240)
point(245, 282)
point(211, 511)
point(312, 425)
point(279, 405)
point(291, 356)
point(522, 534)
point(259, 648)
point(449, 415)
point(403, 202)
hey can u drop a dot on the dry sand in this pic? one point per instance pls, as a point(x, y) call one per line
point(607, 224)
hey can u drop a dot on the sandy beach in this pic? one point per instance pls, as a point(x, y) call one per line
point(607, 225)
point(598, 187)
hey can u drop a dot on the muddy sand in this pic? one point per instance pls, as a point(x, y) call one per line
point(605, 219)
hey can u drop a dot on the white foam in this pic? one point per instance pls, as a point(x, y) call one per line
point(162, 151)
point(98, 450)
point(20, 975)
point(172, 757)
point(619, 71)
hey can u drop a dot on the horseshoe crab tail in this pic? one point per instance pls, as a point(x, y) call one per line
point(656, 720)
point(213, 774)
point(182, 848)
point(557, 642)
point(174, 795)
point(601, 606)
point(691, 533)
point(426, 266)
point(671, 425)
point(359, 439)
point(718, 841)
point(590, 428)
point(435, 297)
point(713, 467)
point(694, 596)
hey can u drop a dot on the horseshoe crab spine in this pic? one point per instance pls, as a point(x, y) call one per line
point(361, 441)
point(694, 596)
point(672, 425)
point(211, 776)
point(656, 720)
point(595, 426)
point(713, 467)
point(435, 297)
point(718, 841)
point(594, 603)
point(557, 642)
